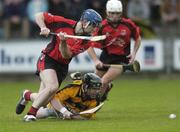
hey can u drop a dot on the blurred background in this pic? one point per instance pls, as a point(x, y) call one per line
point(21, 44)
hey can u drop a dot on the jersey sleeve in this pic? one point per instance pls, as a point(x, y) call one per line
point(136, 30)
point(96, 45)
point(66, 93)
point(49, 18)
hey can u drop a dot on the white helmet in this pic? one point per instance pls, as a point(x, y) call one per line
point(114, 6)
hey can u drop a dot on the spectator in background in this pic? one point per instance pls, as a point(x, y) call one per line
point(168, 12)
point(98, 5)
point(1, 17)
point(76, 8)
point(15, 24)
point(125, 4)
point(1, 8)
point(169, 17)
point(57, 7)
point(33, 7)
point(168, 31)
point(139, 12)
point(178, 15)
point(155, 15)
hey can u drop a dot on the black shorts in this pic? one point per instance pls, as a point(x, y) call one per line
point(46, 62)
point(112, 59)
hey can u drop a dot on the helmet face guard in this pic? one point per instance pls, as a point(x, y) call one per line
point(91, 86)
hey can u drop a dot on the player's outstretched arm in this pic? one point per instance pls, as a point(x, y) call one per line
point(137, 45)
point(94, 57)
point(135, 49)
point(60, 108)
point(39, 17)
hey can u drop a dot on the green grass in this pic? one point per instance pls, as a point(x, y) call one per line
point(133, 106)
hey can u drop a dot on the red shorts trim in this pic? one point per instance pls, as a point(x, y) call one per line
point(46, 62)
point(41, 63)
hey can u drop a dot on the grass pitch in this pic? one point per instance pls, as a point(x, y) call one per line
point(134, 105)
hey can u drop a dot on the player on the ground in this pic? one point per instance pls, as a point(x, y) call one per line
point(52, 65)
point(81, 95)
point(116, 47)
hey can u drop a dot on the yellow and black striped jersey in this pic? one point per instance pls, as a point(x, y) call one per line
point(71, 97)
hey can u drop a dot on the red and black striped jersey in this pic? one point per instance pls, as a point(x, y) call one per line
point(60, 24)
point(119, 37)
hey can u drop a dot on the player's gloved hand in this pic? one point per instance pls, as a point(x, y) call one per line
point(45, 31)
point(66, 114)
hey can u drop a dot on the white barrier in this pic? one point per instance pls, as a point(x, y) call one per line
point(177, 55)
point(22, 56)
point(19, 56)
point(151, 55)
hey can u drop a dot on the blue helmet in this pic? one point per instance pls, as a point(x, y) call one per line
point(92, 16)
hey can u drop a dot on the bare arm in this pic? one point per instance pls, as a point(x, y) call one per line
point(92, 54)
point(60, 108)
point(56, 104)
point(137, 45)
point(39, 17)
point(94, 57)
point(135, 49)
point(63, 47)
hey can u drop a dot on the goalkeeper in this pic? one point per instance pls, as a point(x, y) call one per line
point(81, 95)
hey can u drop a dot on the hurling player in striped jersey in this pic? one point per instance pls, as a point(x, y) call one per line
point(52, 66)
point(116, 47)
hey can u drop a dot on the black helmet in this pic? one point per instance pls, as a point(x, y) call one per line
point(91, 82)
